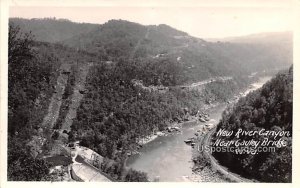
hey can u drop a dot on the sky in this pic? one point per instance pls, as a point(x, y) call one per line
point(216, 19)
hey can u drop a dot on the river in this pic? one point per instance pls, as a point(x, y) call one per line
point(168, 158)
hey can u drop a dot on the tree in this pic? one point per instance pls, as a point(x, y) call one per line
point(268, 108)
point(19, 49)
point(19, 53)
point(28, 76)
point(22, 166)
point(136, 176)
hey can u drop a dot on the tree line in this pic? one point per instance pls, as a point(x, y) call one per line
point(269, 108)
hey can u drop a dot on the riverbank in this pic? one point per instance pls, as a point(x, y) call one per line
point(172, 128)
point(167, 158)
point(176, 127)
point(203, 160)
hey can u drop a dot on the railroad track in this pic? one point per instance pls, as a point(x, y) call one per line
point(214, 163)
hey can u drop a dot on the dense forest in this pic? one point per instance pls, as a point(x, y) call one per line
point(269, 108)
point(132, 90)
point(52, 29)
point(197, 58)
point(29, 78)
point(115, 113)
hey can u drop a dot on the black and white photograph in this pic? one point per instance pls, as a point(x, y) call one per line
point(192, 91)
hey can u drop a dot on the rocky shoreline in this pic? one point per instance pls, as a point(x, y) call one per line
point(203, 170)
point(176, 127)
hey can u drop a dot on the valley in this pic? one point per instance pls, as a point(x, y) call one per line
point(120, 98)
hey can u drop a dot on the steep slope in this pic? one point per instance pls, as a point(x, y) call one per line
point(115, 112)
point(268, 109)
point(112, 40)
point(196, 59)
point(51, 29)
point(34, 77)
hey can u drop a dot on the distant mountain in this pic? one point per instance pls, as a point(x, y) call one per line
point(271, 37)
point(196, 58)
point(114, 38)
point(124, 97)
point(163, 28)
point(121, 38)
point(52, 30)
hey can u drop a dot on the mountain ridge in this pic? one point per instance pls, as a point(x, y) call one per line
point(255, 37)
point(197, 59)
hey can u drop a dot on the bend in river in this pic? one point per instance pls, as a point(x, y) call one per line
point(168, 158)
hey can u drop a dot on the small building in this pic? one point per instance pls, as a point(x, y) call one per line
point(209, 126)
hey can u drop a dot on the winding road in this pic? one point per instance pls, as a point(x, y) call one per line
point(204, 143)
point(204, 82)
